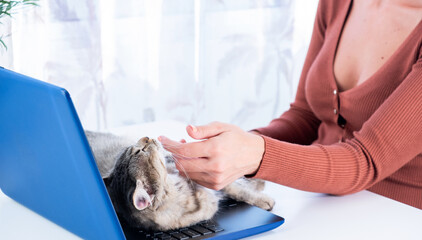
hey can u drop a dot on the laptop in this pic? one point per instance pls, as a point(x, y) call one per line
point(46, 164)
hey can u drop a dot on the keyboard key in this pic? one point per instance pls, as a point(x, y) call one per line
point(208, 224)
point(148, 235)
point(201, 230)
point(163, 236)
point(180, 236)
point(215, 228)
point(151, 238)
point(191, 233)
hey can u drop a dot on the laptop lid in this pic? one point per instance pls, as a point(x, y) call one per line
point(46, 163)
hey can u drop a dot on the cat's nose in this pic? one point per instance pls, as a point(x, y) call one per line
point(144, 140)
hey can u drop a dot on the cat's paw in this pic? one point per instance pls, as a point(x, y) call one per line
point(265, 203)
point(259, 184)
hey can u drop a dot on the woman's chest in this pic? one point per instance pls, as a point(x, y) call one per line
point(367, 41)
point(357, 104)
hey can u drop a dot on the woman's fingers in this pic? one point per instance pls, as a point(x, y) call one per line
point(204, 179)
point(167, 141)
point(190, 157)
point(208, 131)
point(210, 180)
point(192, 165)
point(186, 150)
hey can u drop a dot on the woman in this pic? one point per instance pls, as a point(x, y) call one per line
point(355, 123)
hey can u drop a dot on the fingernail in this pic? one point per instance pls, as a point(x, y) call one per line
point(161, 138)
point(194, 129)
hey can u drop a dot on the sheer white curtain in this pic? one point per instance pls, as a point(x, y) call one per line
point(195, 61)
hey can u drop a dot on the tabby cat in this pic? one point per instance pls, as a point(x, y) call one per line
point(147, 190)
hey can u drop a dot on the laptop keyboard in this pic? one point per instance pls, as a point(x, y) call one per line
point(197, 230)
point(201, 229)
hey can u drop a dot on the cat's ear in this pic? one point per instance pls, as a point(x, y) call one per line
point(141, 198)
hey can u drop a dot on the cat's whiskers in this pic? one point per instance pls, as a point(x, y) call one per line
point(184, 171)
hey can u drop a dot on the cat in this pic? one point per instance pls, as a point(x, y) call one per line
point(146, 189)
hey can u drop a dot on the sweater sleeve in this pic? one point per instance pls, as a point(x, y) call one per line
point(388, 140)
point(299, 124)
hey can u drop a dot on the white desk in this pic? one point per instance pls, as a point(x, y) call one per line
point(364, 215)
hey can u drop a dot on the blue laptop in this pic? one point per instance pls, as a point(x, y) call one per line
point(46, 164)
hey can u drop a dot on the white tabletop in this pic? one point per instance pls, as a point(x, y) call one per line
point(363, 215)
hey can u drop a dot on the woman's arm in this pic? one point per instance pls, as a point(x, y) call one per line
point(389, 139)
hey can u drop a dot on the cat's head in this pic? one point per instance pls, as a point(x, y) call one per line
point(138, 181)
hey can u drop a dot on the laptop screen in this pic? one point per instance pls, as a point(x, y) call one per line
point(46, 163)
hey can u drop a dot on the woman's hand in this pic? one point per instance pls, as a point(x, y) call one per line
point(225, 154)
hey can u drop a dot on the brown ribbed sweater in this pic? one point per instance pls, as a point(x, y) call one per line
point(368, 137)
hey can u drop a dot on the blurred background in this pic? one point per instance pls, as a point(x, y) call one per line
point(137, 61)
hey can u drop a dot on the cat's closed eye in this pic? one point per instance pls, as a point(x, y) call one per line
point(133, 151)
point(144, 148)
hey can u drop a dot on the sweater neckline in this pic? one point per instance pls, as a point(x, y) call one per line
point(381, 68)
